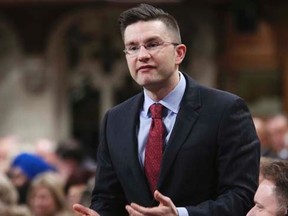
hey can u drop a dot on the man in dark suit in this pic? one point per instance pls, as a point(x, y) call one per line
point(209, 162)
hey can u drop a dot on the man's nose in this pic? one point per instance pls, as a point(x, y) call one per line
point(250, 213)
point(143, 53)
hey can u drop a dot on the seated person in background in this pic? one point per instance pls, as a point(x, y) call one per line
point(262, 132)
point(77, 185)
point(271, 197)
point(8, 149)
point(8, 199)
point(23, 169)
point(277, 128)
point(72, 158)
point(46, 196)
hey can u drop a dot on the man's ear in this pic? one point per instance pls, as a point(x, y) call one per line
point(181, 52)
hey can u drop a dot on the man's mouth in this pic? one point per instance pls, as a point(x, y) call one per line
point(144, 68)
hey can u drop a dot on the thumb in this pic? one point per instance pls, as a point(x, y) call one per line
point(163, 200)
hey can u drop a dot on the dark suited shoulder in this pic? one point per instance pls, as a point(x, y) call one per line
point(212, 101)
point(212, 95)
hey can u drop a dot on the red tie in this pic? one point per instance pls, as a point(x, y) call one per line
point(154, 146)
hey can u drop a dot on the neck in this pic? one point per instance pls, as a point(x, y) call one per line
point(159, 92)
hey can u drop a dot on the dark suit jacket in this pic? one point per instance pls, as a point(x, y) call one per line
point(210, 164)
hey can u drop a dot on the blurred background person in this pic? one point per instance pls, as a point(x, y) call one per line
point(87, 193)
point(46, 196)
point(46, 149)
point(8, 150)
point(23, 169)
point(72, 158)
point(8, 199)
point(260, 125)
point(277, 128)
point(78, 185)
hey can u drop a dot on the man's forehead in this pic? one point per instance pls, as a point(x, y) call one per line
point(265, 196)
point(143, 30)
point(265, 189)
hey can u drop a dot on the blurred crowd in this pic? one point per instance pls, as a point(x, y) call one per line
point(46, 181)
point(50, 179)
point(273, 135)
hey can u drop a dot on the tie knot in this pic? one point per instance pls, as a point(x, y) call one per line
point(156, 110)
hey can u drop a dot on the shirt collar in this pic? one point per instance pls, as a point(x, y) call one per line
point(171, 101)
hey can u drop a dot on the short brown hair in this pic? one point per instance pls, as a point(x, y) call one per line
point(146, 12)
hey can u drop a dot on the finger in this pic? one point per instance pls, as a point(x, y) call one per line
point(137, 207)
point(132, 211)
point(84, 210)
point(163, 200)
point(142, 210)
point(129, 209)
point(79, 208)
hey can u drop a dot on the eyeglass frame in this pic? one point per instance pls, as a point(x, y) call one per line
point(159, 44)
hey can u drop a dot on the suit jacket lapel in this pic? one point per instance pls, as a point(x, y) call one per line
point(131, 149)
point(185, 120)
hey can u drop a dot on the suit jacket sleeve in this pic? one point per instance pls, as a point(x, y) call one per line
point(237, 162)
point(107, 197)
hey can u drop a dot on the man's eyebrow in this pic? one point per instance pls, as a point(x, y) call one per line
point(259, 204)
point(152, 39)
point(155, 38)
point(130, 43)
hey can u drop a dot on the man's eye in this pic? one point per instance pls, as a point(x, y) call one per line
point(152, 45)
point(132, 48)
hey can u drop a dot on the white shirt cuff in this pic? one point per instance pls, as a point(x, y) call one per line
point(182, 211)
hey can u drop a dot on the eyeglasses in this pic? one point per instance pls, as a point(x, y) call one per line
point(149, 46)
